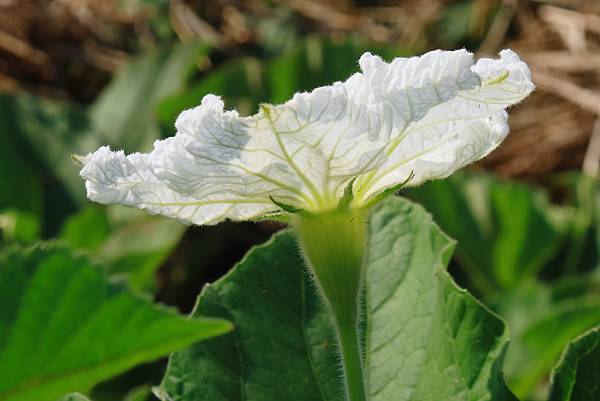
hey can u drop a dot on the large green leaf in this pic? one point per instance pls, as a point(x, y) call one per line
point(125, 240)
point(64, 327)
point(506, 231)
point(425, 338)
point(577, 376)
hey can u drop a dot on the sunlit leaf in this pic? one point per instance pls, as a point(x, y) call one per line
point(64, 327)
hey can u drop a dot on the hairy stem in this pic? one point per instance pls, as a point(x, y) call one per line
point(334, 245)
point(351, 361)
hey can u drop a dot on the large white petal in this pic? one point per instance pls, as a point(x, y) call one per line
point(427, 115)
point(468, 125)
point(114, 178)
point(407, 88)
point(220, 165)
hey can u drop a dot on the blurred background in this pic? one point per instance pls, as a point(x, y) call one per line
point(77, 74)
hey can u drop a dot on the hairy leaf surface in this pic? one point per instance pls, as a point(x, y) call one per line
point(425, 339)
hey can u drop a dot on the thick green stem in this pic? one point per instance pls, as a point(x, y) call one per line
point(334, 244)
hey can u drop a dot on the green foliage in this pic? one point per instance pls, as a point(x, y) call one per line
point(425, 339)
point(247, 82)
point(123, 117)
point(87, 229)
point(21, 186)
point(543, 318)
point(124, 112)
point(64, 327)
point(509, 236)
point(54, 130)
point(576, 377)
point(125, 240)
point(582, 248)
point(316, 62)
point(239, 81)
point(19, 226)
point(506, 231)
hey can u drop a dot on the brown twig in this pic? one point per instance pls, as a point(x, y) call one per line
point(584, 98)
point(22, 49)
point(322, 12)
point(564, 61)
point(104, 58)
point(7, 84)
point(570, 26)
point(591, 160)
point(188, 25)
point(495, 35)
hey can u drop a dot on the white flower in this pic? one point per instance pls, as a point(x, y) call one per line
point(427, 116)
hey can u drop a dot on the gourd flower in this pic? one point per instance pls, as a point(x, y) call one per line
point(321, 159)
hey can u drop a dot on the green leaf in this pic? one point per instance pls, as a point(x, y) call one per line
point(239, 81)
point(582, 249)
point(454, 24)
point(87, 229)
point(19, 226)
point(124, 113)
point(64, 327)
point(577, 378)
point(543, 319)
point(506, 231)
point(316, 62)
point(125, 240)
point(245, 83)
point(54, 130)
point(122, 117)
point(425, 338)
point(21, 184)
